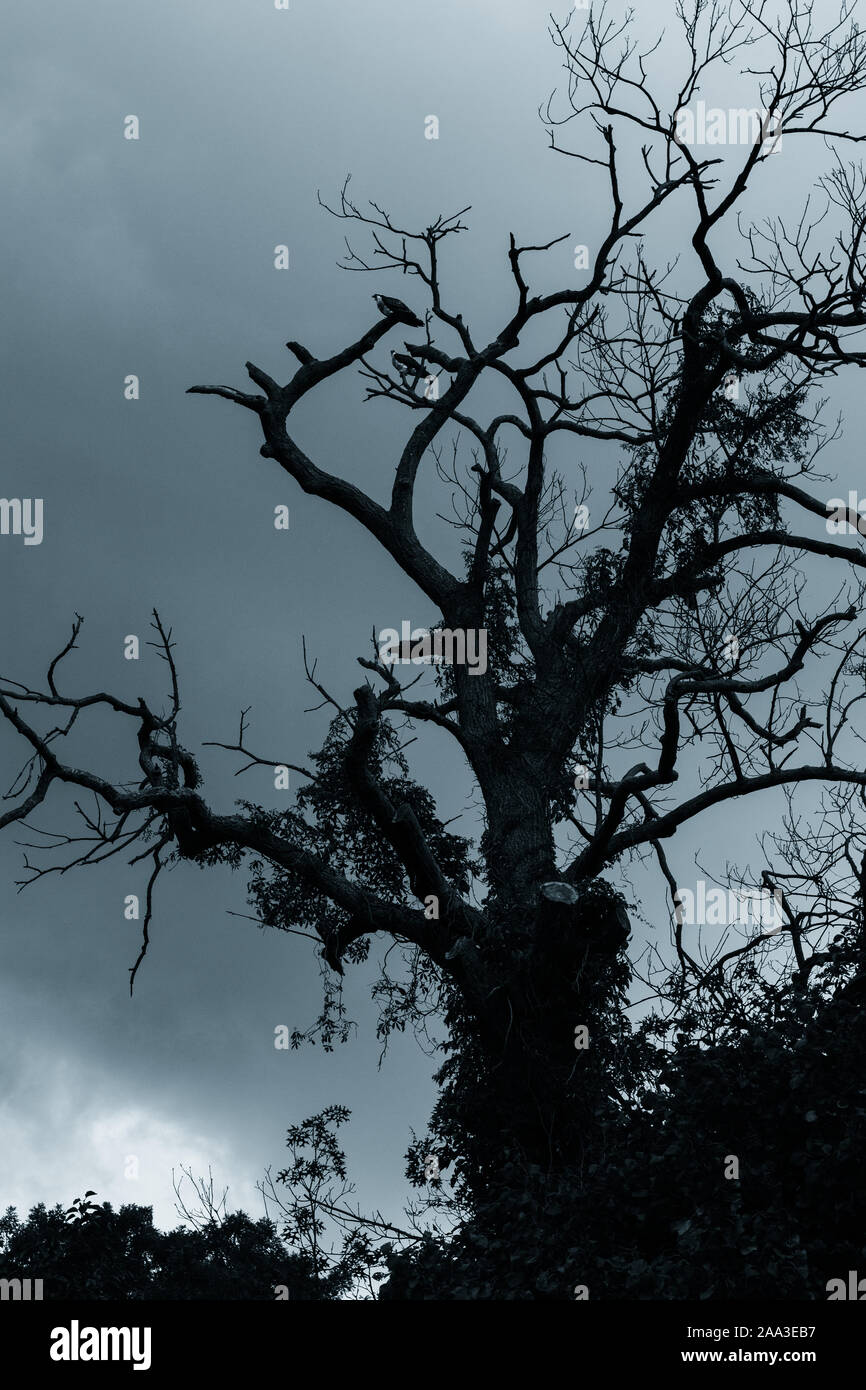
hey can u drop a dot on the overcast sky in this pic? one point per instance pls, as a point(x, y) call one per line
point(156, 257)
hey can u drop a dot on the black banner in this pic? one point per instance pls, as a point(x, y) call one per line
point(85, 1339)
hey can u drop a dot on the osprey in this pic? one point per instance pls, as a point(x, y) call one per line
point(387, 305)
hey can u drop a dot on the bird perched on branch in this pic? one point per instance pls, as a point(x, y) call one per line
point(408, 366)
point(387, 305)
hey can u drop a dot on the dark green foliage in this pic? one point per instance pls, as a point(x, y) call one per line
point(330, 823)
point(650, 1214)
point(99, 1253)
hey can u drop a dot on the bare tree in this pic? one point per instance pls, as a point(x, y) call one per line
point(657, 662)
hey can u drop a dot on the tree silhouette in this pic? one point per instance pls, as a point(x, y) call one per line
point(92, 1251)
point(649, 657)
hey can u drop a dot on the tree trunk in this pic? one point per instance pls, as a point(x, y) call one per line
point(536, 1043)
